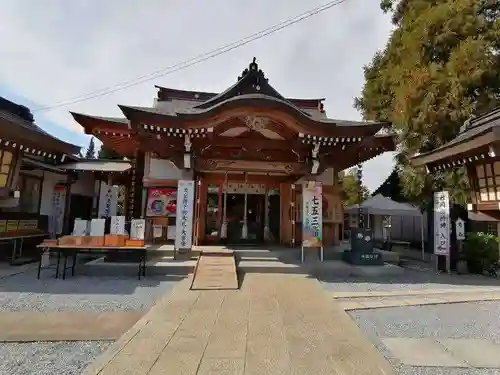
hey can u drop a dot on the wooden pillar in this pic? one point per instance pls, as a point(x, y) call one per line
point(67, 203)
point(285, 208)
point(202, 211)
point(267, 232)
point(293, 214)
point(136, 185)
point(223, 229)
point(244, 229)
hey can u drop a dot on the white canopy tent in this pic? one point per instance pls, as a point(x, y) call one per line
point(380, 205)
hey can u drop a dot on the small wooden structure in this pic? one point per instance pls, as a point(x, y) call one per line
point(477, 148)
point(248, 149)
point(21, 138)
point(26, 152)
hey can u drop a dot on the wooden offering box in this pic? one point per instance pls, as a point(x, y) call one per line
point(115, 240)
point(134, 243)
point(95, 241)
point(66, 240)
point(71, 241)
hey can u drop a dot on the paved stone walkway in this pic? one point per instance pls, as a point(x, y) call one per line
point(275, 324)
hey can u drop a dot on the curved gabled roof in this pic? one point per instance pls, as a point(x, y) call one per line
point(89, 122)
point(251, 104)
point(21, 128)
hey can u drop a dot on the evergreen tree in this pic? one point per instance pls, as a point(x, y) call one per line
point(441, 65)
point(105, 153)
point(90, 154)
point(352, 193)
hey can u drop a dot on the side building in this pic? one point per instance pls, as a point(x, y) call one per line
point(477, 148)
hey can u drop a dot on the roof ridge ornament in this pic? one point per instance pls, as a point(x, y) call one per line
point(253, 67)
point(466, 125)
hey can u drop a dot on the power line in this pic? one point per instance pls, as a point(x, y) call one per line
point(195, 60)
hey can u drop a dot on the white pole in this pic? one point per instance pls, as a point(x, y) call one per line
point(422, 235)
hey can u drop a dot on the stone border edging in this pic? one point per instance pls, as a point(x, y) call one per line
point(397, 293)
point(367, 305)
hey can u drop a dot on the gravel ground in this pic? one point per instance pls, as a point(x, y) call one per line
point(467, 320)
point(24, 292)
point(409, 280)
point(62, 358)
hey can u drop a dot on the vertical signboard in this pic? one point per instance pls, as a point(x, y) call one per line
point(108, 200)
point(184, 217)
point(441, 223)
point(137, 229)
point(117, 225)
point(58, 204)
point(312, 217)
point(460, 229)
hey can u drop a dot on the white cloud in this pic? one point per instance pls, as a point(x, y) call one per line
point(56, 50)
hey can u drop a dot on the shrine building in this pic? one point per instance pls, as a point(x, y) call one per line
point(248, 149)
point(477, 148)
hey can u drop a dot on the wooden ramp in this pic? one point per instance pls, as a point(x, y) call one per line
point(215, 270)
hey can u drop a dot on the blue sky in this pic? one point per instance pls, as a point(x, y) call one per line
point(65, 133)
point(55, 50)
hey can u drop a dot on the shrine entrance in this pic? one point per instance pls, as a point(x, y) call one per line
point(233, 211)
point(255, 218)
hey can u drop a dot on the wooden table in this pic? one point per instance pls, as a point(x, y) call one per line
point(73, 250)
point(20, 238)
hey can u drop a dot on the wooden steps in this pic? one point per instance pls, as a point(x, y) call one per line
point(215, 270)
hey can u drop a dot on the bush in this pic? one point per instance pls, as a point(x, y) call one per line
point(481, 251)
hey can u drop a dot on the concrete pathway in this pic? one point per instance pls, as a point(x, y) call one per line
point(275, 324)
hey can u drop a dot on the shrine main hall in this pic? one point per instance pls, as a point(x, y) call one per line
point(248, 149)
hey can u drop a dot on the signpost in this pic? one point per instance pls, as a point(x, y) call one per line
point(442, 227)
point(460, 234)
point(184, 217)
point(117, 225)
point(108, 200)
point(312, 217)
point(137, 229)
point(460, 229)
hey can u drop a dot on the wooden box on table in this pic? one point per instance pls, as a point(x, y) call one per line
point(94, 241)
point(71, 240)
point(66, 241)
point(134, 243)
point(115, 240)
point(79, 240)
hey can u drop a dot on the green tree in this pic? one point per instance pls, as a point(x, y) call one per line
point(441, 65)
point(105, 153)
point(90, 154)
point(352, 193)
